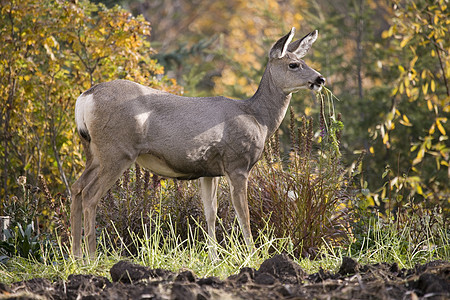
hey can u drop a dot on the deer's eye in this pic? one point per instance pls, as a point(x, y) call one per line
point(293, 65)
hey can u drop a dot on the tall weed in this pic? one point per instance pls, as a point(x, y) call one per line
point(306, 194)
point(126, 205)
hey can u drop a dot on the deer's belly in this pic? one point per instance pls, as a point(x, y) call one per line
point(159, 166)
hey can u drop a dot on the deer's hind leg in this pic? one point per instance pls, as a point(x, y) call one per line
point(76, 208)
point(96, 180)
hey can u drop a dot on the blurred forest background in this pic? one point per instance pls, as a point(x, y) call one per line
point(387, 61)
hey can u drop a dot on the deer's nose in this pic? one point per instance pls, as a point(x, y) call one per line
point(320, 80)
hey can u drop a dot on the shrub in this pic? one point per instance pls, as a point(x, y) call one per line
point(306, 195)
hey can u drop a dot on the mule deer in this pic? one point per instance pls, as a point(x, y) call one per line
point(122, 122)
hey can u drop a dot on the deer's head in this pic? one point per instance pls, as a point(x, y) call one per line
point(287, 69)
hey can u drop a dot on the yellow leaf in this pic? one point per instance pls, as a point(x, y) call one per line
point(440, 127)
point(432, 129)
point(390, 115)
point(405, 41)
point(385, 138)
point(163, 183)
point(430, 105)
point(433, 85)
point(425, 88)
point(419, 156)
point(406, 83)
point(401, 88)
point(371, 150)
point(394, 91)
point(413, 61)
point(405, 121)
point(419, 190)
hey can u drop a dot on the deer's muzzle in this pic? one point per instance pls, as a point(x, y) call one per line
point(317, 84)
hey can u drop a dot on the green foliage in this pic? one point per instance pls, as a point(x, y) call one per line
point(175, 58)
point(53, 51)
point(389, 65)
point(420, 99)
point(19, 242)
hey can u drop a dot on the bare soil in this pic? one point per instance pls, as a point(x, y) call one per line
point(277, 278)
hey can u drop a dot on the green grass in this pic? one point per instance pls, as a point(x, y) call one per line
point(388, 241)
point(382, 242)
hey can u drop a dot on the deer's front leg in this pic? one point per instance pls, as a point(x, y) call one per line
point(238, 186)
point(208, 186)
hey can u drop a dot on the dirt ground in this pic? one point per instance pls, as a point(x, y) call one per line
point(277, 278)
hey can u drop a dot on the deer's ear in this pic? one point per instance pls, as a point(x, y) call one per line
point(302, 46)
point(279, 49)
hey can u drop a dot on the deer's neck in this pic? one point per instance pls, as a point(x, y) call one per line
point(269, 104)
